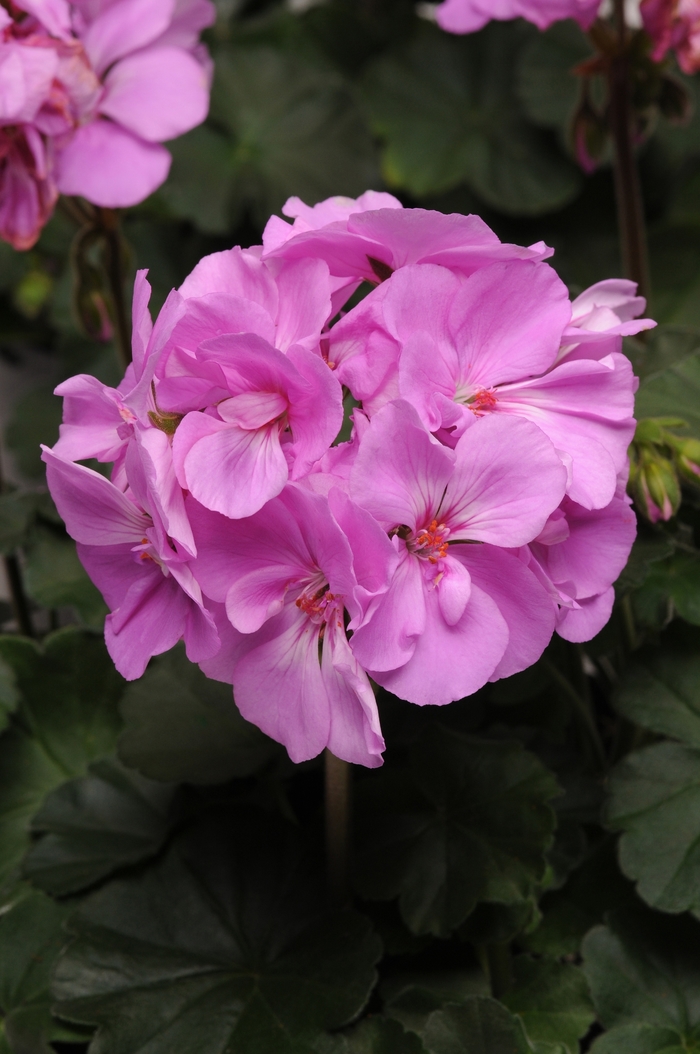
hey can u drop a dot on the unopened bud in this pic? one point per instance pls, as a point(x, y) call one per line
point(655, 486)
point(590, 135)
point(687, 459)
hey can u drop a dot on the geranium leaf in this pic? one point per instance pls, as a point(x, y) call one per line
point(552, 1001)
point(182, 727)
point(470, 822)
point(478, 1026)
point(644, 974)
point(546, 86)
point(222, 945)
point(31, 937)
point(95, 824)
point(655, 802)
point(67, 717)
point(661, 691)
point(9, 695)
point(375, 1035)
point(447, 112)
point(673, 392)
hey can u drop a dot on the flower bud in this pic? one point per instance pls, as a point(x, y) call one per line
point(590, 135)
point(687, 460)
point(654, 485)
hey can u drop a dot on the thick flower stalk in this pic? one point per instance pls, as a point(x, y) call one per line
point(477, 508)
point(89, 90)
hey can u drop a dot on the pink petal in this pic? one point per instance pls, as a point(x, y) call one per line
point(304, 305)
point(54, 15)
point(583, 623)
point(450, 662)
point(400, 473)
point(390, 637)
point(524, 604)
point(94, 511)
point(92, 414)
point(142, 324)
point(355, 733)
point(506, 483)
point(453, 589)
point(315, 411)
point(124, 27)
point(279, 687)
point(163, 488)
point(216, 314)
point(26, 75)
point(110, 167)
point(150, 620)
point(157, 94)
point(236, 272)
point(226, 468)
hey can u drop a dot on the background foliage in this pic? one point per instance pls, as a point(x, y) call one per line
point(527, 864)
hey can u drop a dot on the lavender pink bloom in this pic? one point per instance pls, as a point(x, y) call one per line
point(477, 507)
point(88, 93)
point(467, 16)
point(674, 25)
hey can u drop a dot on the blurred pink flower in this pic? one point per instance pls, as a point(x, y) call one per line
point(674, 24)
point(467, 16)
point(88, 92)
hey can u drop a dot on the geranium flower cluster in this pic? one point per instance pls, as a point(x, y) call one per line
point(477, 506)
point(88, 92)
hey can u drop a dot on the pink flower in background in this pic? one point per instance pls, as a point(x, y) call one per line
point(88, 92)
point(467, 16)
point(674, 24)
point(145, 580)
point(455, 614)
point(287, 575)
point(600, 317)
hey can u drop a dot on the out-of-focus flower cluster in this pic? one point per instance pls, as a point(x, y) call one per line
point(88, 92)
point(476, 505)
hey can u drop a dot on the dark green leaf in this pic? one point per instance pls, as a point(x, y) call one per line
point(16, 515)
point(31, 936)
point(446, 110)
point(375, 1035)
point(644, 974)
point(67, 717)
point(9, 695)
point(671, 587)
point(661, 691)
point(35, 420)
point(294, 128)
point(655, 802)
point(552, 1001)
point(412, 998)
point(546, 85)
point(220, 946)
point(663, 347)
point(478, 1026)
point(568, 913)
point(182, 727)
point(470, 823)
point(54, 576)
point(95, 824)
point(648, 549)
point(201, 158)
point(674, 392)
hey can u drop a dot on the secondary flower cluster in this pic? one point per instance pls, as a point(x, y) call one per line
point(88, 92)
point(477, 505)
point(671, 24)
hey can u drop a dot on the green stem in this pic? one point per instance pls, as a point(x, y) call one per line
point(583, 711)
point(499, 967)
point(13, 573)
point(114, 269)
point(338, 784)
point(628, 192)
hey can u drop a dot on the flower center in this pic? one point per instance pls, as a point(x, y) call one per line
point(480, 402)
point(431, 542)
point(317, 605)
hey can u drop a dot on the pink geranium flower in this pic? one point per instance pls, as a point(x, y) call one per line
point(88, 92)
point(459, 349)
point(145, 578)
point(577, 557)
point(600, 317)
point(467, 16)
point(369, 239)
point(287, 575)
point(674, 24)
point(459, 609)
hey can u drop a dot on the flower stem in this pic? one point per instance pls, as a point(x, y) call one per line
point(338, 783)
point(584, 713)
point(499, 966)
point(114, 269)
point(628, 192)
point(18, 597)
